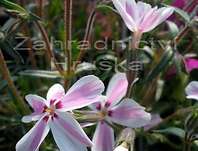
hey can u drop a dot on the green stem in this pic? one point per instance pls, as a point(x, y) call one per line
point(178, 113)
point(187, 146)
point(132, 60)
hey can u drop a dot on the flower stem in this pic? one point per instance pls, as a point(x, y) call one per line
point(179, 37)
point(187, 146)
point(22, 2)
point(87, 36)
point(132, 60)
point(177, 113)
point(40, 8)
point(6, 76)
point(68, 33)
point(30, 49)
point(50, 53)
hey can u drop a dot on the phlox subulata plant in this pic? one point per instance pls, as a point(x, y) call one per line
point(109, 75)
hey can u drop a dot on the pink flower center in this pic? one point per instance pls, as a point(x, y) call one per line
point(51, 110)
point(104, 112)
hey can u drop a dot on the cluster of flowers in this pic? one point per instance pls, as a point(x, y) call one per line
point(55, 112)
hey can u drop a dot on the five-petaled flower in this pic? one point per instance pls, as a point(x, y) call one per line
point(51, 114)
point(192, 90)
point(141, 17)
point(112, 110)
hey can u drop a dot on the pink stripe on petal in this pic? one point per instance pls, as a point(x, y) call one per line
point(71, 128)
point(158, 17)
point(56, 92)
point(84, 92)
point(130, 114)
point(121, 7)
point(36, 102)
point(33, 139)
point(149, 19)
point(143, 9)
point(117, 88)
point(103, 138)
point(131, 9)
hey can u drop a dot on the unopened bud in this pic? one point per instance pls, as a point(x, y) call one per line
point(126, 139)
point(122, 147)
point(127, 135)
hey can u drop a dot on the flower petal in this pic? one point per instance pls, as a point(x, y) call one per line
point(147, 21)
point(56, 92)
point(121, 7)
point(155, 120)
point(192, 90)
point(32, 117)
point(68, 133)
point(84, 92)
point(98, 105)
point(130, 114)
point(131, 9)
point(33, 139)
point(36, 102)
point(191, 64)
point(143, 9)
point(103, 138)
point(117, 88)
point(157, 18)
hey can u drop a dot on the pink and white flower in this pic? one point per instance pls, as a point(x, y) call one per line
point(141, 17)
point(192, 90)
point(51, 114)
point(112, 110)
point(155, 120)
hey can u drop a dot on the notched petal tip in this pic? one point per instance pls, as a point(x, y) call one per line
point(131, 114)
point(56, 91)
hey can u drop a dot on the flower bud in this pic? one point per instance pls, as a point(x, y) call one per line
point(122, 147)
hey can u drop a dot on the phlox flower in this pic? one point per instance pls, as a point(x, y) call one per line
point(51, 114)
point(183, 4)
point(191, 64)
point(112, 110)
point(155, 120)
point(192, 90)
point(179, 3)
point(140, 17)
